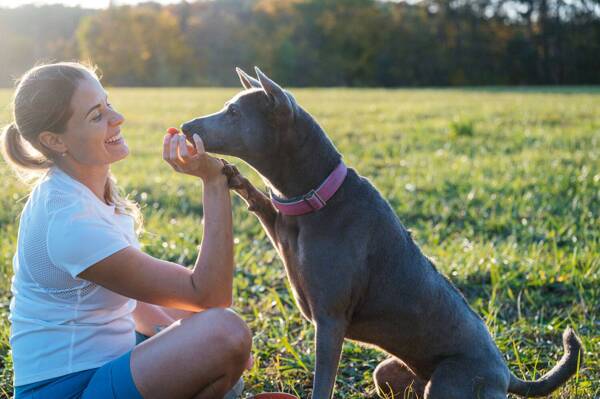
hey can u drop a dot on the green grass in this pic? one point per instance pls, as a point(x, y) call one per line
point(500, 188)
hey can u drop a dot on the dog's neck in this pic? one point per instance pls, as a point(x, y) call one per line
point(304, 160)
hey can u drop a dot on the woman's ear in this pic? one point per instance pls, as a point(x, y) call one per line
point(52, 142)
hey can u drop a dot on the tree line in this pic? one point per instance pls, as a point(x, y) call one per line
point(315, 42)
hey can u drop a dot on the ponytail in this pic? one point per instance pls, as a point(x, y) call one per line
point(20, 155)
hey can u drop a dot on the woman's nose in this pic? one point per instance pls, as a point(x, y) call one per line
point(117, 119)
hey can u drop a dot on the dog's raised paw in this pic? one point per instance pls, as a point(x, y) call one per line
point(229, 169)
point(234, 178)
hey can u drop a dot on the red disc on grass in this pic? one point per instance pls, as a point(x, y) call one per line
point(273, 395)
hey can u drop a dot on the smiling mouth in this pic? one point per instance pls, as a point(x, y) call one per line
point(117, 138)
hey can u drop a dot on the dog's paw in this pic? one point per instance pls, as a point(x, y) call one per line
point(234, 179)
point(229, 169)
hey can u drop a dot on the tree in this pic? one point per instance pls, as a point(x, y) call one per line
point(135, 46)
point(30, 35)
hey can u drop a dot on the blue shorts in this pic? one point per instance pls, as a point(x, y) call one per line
point(111, 381)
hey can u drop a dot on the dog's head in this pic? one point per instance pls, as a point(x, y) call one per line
point(253, 123)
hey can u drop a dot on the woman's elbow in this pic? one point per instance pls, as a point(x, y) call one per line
point(216, 301)
point(206, 297)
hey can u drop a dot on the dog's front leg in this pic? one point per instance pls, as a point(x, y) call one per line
point(258, 203)
point(329, 340)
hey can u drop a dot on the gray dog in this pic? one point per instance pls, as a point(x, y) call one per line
point(355, 270)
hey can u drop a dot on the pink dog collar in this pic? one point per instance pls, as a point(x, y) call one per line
point(314, 199)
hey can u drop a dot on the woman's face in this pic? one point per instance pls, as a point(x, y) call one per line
point(93, 133)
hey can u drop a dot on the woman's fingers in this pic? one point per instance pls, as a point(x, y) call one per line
point(191, 148)
point(183, 150)
point(183, 157)
point(173, 148)
point(178, 154)
point(166, 141)
point(167, 151)
point(199, 144)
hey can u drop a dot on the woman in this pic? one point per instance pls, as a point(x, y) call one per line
point(79, 272)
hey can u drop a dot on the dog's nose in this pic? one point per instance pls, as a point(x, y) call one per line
point(185, 128)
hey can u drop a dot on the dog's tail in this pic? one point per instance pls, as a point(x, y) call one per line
point(564, 369)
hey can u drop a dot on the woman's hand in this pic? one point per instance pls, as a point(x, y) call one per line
point(184, 158)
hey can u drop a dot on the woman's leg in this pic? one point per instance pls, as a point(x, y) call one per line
point(201, 357)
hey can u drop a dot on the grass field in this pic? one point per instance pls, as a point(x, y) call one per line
point(500, 188)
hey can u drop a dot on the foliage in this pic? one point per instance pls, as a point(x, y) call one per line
point(29, 35)
point(316, 42)
point(510, 214)
point(140, 46)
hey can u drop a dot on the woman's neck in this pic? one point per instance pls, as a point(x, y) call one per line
point(93, 177)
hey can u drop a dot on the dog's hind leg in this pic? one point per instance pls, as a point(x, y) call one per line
point(465, 379)
point(393, 379)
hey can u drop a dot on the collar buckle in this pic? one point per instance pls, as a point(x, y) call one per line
point(313, 200)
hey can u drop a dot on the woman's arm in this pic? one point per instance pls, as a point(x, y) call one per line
point(137, 275)
point(213, 272)
point(176, 314)
point(132, 273)
point(214, 266)
point(150, 319)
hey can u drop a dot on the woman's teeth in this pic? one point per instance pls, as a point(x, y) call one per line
point(114, 139)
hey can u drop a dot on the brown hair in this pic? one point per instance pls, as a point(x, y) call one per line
point(42, 102)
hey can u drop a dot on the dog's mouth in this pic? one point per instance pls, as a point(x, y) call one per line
point(189, 132)
point(214, 140)
point(185, 129)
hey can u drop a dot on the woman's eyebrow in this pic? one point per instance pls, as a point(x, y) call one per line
point(95, 106)
point(91, 109)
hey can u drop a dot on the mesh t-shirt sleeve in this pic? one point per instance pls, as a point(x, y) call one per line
point(78, 237)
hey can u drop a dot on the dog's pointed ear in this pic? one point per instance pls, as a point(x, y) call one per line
point(248, 82)
point(274, 91)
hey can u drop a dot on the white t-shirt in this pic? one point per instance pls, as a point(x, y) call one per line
point(60, 323)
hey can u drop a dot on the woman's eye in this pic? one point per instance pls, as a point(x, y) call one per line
point(99, 116)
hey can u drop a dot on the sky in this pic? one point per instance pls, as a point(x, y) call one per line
point(82, 3)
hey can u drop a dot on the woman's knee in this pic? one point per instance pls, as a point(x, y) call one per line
point(228, 330)
point(235, 332)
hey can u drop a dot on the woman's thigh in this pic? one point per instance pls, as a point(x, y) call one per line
point(113, 381)
point(68, 387)
point(191, 354)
